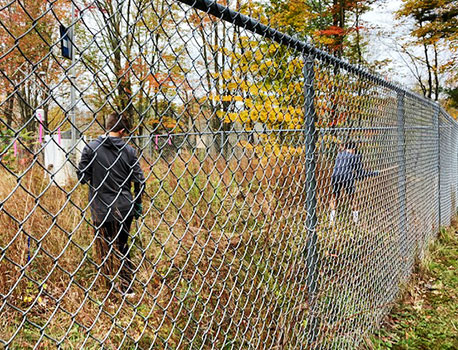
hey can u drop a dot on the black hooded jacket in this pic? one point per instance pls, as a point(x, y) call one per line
point(110, 166)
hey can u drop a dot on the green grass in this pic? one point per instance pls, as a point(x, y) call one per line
point(427, 316)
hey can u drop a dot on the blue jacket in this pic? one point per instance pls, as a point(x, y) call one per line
point(349, 167)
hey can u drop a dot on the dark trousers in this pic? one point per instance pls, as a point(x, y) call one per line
point(115, 235)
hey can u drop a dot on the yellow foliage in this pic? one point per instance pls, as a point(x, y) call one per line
point(227, 74)
point(244, 116)
point(253, 90)
point(269, 147)
point(243, 85)
point(210, 97)
point(232, 86)
point(259, 55)
point(273, 48)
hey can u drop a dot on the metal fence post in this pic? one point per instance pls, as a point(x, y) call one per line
point(402, 176)
point(437, 126)
point(221, 142)
point(72, 77)
point(311, 203)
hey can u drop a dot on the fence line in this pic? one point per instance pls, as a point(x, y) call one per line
point(278, 199)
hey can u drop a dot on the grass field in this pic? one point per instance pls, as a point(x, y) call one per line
point(216, 253)
point(220, 257)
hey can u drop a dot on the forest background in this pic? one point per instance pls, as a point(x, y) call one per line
point(421, 46)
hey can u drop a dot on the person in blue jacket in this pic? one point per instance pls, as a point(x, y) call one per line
point(110, 166)
point(348, 168)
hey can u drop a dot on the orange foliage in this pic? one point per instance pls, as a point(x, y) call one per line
point(29, 38)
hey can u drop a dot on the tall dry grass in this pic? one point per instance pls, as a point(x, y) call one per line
point(218, 258)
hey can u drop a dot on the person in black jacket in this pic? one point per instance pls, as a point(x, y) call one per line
point(109, 166)
point(348, 168)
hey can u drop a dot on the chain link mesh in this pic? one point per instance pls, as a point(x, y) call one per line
point(286, 197)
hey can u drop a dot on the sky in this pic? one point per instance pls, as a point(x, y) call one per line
point(384, 33)
point(383, 13)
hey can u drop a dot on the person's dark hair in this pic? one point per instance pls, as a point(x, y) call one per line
point(351, 145)
point(116, 122)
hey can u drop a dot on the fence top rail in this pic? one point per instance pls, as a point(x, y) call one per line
point(226, 14)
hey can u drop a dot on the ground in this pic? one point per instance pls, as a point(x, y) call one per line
point(426, 318)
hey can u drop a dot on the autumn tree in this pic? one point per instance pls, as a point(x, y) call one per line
point(435, 24)
point(263, 88)
point(28, 64)
point(332, 24)
point(336, 26)
point(219, 43)
point(126, 46)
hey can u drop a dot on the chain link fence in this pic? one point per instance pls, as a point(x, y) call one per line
point(286, 193)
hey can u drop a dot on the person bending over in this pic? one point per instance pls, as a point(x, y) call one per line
point(348, 168)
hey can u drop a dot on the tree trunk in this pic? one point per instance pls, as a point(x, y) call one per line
point(8, 111)
point(124, 86)
point(26, 109)
point(429, 89)
point(358, 36)
point(338, 20)
point(436, 74)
